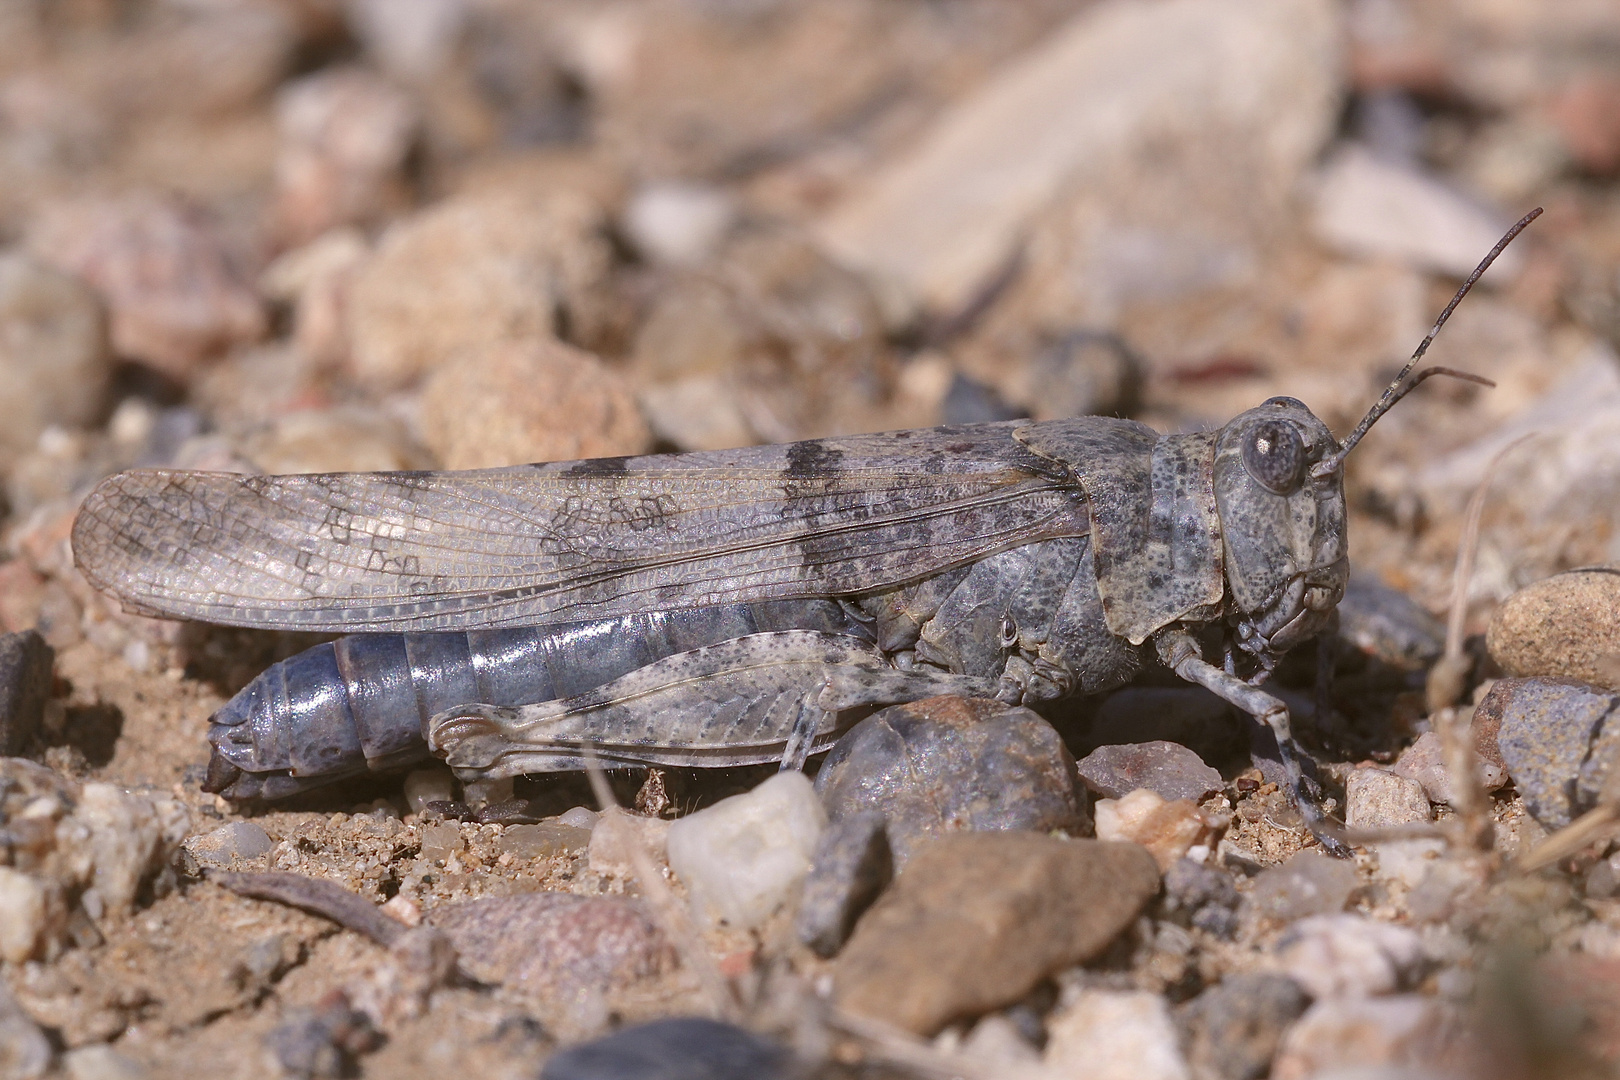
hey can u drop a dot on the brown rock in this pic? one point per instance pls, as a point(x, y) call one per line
point(174, 297)
point(471, 272)
point(978, 919)
point(345, 133)
point(551, 944)
point(1167, 829)
point(513, 402)
point(1566, 626)
point(1168, 769)
point(53, 352)
point(1379, 799)
point(1587, 115)
point(949, 764)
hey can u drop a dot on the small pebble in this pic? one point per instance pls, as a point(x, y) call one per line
point(1566, 626)
point(1201, 895)
point(174, 298)
point(240, 841)
point(440, 841)
point(685, 1048)
point(542, 840)
point(1348, 955)
point(1309, 883)
point(1167, 829)
point(1424, 761)
point(433, 784)
point(323, 1041)
point(556, 946)
point(101, 1062)
point(1554, 737)
point(745, 856)
point(515, 402)
point(1380, 799)
point(614, 835)
point(1115, 1035)
point(1233, 1029)
point(580, 817)
point(22, 915)
point(25, 686)
point(977, 919)
point(678, 223)
point(25, 1052)
point(851, 865)
point(947, 764)
point(54, 361)
point(1167, 769)
point(1363, 1033)
point(1387, 625)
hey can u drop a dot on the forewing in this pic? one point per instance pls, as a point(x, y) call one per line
point(572, 540)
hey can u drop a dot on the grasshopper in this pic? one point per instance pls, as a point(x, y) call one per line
point(722, 608)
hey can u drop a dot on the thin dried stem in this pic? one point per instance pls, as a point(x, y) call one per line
point(666, 907)
point(1448, 677)
point(1594, 825)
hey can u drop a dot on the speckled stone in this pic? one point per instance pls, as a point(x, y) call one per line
point(949, 764)
point(555, 944)
point(1232, 1029)
point(685, 1048)
point(977, 919)
point(1167, 769)
point(1310, 883)
point(1565, 626)
point(25, 685)
point(1557, 742)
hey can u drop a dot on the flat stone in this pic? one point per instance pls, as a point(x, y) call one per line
point(1349, 955)
point(1380, 799)
point(1168, 769)
point(228, 845)
point(1115, 1035)
point(555, 945)
point(978, 919)
point(1555, 738)
point(1425, 762)
point(1233, 1029)
point(1379, 209)
point(25, 686)
point(101, 1062)
point(617, 833)
point(1388, 625)
point(851, 865)
point(1365, 1033)
point(1197, 894)
point(1566, 626)
point(1167, 829)
point(686, 1048)
point(1310, 883)
point(542, 840)
point(950, 764)
point(744, 857)
point(514, 402)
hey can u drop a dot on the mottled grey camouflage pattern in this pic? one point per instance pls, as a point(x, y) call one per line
point(1025, 561)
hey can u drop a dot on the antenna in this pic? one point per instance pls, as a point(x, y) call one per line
point(1402, 385)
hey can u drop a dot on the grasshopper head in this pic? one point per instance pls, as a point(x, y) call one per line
point(1282, 523)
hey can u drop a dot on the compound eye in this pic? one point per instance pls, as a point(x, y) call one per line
point(1274, 454)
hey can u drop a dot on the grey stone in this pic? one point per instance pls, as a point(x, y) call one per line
point(323, 1041)
point(1168, 769)
point(851, 865)
point(1310, 883)
point(1388, 625)
point(555, 945)
point(1557, 742)
point(240, 841)
point(25, 1052)
point(1200, 895)
point(1233, 1028)
point(976, 920)
point(101, 1062)
point(25, 686)
point(686, 1048)
point(948, 764)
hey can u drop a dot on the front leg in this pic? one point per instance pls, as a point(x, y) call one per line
point(1180, 653)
